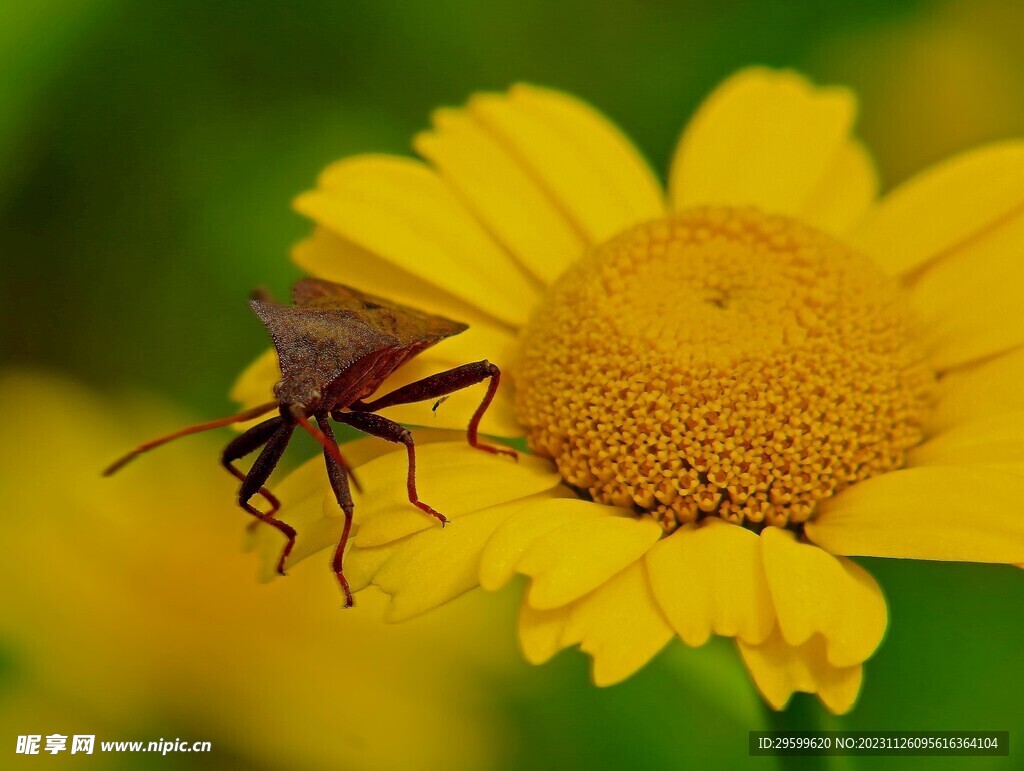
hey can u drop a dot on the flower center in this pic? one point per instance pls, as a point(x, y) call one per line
point(722, 362)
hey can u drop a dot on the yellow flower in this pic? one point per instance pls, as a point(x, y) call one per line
point(741, 383)
point(131, 614)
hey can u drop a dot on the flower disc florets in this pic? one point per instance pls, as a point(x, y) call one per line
point(722, 362)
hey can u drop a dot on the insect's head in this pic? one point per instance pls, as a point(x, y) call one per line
point(296, 401)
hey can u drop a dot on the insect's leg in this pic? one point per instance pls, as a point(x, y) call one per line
point(442, 384)
point(248, 442)
point(338, 477)
point(330, 445)
point(389, 430)
point(255, 479)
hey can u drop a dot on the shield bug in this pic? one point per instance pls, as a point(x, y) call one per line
point(336, 345)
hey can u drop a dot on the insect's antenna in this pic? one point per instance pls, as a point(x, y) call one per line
point(328, 445)
point(249, 414)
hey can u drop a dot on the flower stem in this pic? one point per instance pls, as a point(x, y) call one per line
point(804, 713)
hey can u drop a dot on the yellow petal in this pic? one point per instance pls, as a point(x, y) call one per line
point(709, 580)
point(763, 138)
point(302, 496)
point(513, 539)
point(619, 624)
point(944, 207)
point(814, 592)
point(400, 210)
point(308, 504)
point(502, 192)
point(587, 167)
point(361, 564)
point(934, 513)
point(541, 631)
point(988, 388)
point(316, 535)
point(457, 409)
point(308, 481)
point(968, 301)
point(435, 566)
point(453, 477)
point(780, 669)
point(996, 441)
point(318, 524)
point(361, 451)
point(845, 193)
point(476, 343)
point(313, 533)
point(570, 561)
point(255, 385)
point(329, 256)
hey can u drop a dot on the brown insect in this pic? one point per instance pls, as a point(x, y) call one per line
point(336, 345)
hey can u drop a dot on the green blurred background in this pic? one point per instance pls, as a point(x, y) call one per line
point(148, 154)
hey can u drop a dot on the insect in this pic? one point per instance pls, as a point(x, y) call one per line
point(336, 345)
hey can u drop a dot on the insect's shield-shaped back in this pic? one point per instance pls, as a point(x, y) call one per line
point(331, 328)
point(315, 346)
point(410, 326)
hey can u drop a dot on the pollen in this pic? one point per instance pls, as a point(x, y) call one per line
point(722, 362)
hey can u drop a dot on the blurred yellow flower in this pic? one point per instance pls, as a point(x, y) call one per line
point(740, 382)
point(117, 624)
